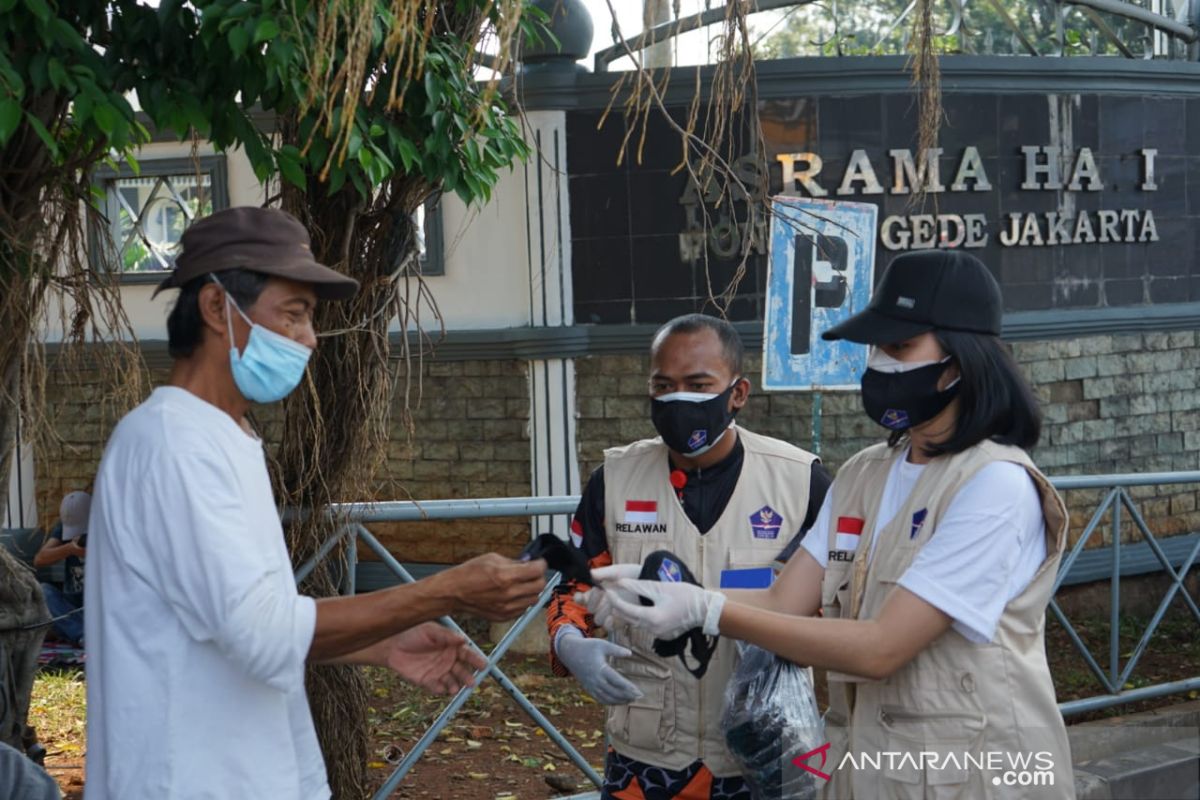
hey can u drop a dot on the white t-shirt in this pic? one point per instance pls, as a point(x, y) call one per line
point(985, 551)
point(196, 634)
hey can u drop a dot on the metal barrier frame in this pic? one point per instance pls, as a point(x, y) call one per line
point(353, 516)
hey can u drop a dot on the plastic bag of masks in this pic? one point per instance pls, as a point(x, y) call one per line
point(770, 719)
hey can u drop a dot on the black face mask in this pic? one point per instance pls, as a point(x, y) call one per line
point(692, 428)
point(901, 400)
point(560, 556)
point(663, 565)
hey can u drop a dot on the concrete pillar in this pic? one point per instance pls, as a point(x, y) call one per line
point(654, 13)
point(554, 464)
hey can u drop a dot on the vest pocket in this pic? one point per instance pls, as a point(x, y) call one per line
point(649, 721)
point(835, 592)
point(931, 752)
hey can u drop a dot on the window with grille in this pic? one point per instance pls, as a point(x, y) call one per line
point(429, 230)
point(149, 210)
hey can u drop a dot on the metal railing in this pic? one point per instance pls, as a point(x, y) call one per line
point(986, 27)
point(353, 515)
point(1117, 499)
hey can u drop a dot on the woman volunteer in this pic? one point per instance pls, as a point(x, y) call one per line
point(932, 561)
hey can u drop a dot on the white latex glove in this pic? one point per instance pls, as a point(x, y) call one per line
point(596, 599)
point(678, 607)
point(611, 575)
point(587, 658)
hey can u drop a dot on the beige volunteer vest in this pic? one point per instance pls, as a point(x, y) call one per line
point(677, 720)
point(955, 696)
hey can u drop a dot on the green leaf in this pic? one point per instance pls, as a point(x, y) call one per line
point(39, 9)
point(408, 154)
point(64, 33)
point(37, 72)
point(291, 170)
point(42, 133)
point(267, 29)
point(59, 78)
point(106, 118)
point(366, 159)
point(318, 152)
point(10, 118)
point(7, 6)
point(337, 177)
point(239, 40)
point(432, 90)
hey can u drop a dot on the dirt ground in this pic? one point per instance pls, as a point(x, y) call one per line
point(493, 751)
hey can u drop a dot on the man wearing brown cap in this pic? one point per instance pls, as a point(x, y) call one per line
point(197, 636)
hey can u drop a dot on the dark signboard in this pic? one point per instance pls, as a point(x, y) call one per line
point(1074, 200)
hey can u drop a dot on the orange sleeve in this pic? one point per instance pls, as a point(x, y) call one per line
point(563, 610)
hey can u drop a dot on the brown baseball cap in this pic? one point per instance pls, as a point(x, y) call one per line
point(264, 240)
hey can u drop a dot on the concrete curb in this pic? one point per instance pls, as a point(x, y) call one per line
point(1154, 755)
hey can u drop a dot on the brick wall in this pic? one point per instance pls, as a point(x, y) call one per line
point(469, 439)
point(1126, 403)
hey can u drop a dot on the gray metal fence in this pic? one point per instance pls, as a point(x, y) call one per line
point(1117, 500)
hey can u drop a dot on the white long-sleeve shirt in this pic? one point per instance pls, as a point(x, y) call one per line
point(195, 632)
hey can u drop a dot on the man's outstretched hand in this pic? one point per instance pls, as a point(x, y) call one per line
point(430, 656)
point(494, 587)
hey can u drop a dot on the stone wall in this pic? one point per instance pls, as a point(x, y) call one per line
point(469, 438)
point(1125, 403)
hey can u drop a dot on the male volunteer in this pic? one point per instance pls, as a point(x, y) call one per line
point(197, 636)
point(722, 499)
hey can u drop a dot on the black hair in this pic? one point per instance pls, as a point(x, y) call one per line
point(185, 326)
point(994, 399)
point(731, 342)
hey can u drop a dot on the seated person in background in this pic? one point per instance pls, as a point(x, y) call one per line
point(67, 542)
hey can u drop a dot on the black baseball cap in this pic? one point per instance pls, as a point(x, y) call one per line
point(264, 240)
point(924, 290)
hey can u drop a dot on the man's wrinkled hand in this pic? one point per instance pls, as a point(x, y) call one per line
point(430, 656)
point(496, 588)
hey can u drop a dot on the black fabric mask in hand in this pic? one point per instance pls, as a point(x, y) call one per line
point(665, 566)
point(560, 556)
point(689, 425)
point(902, 400)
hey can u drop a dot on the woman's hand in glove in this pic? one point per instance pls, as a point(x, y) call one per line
point(606, 578)
point(587, 659)
point(678, 607)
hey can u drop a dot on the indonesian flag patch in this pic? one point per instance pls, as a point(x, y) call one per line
point(576, 533)
point(848, 531)
point(641, 511)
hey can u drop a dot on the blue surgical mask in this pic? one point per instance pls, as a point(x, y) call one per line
point(270, 366)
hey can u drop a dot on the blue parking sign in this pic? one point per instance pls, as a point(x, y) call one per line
point(822, 263)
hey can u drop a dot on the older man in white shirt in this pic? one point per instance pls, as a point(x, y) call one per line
point(197, 635)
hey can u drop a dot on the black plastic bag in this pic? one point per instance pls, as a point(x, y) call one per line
point(770, 719)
